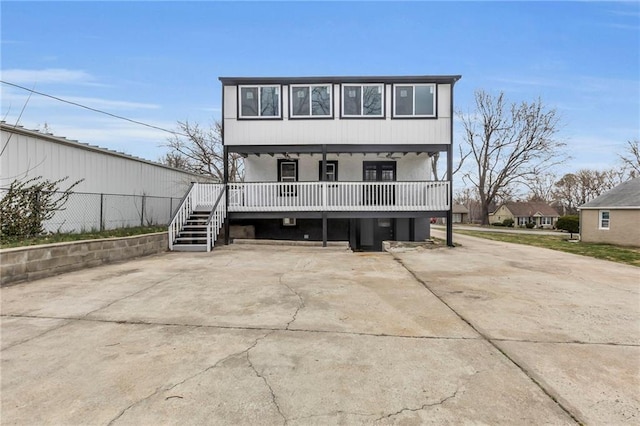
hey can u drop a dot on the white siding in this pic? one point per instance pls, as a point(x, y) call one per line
point(28, 156)
point(411, 167)
point(336, 130)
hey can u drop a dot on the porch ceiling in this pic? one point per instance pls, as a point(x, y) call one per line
point(404, 149)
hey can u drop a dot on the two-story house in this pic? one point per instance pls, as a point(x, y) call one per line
point(332, 158)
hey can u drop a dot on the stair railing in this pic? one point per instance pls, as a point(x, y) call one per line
point(182, 214)
point(216, 218)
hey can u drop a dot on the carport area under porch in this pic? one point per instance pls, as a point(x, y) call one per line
point(364, 231)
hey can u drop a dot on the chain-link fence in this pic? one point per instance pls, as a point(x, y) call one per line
point(85, 212)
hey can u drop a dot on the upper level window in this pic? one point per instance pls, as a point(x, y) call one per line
point(362, 100)
point(260, 101)
point(604, 219)
point(414, 100)
point(311, 100)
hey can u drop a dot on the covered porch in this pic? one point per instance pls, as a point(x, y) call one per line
point(358, 192)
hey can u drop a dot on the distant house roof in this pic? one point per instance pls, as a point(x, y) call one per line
point(531, 209)
point(459, 208)
point(625, 195)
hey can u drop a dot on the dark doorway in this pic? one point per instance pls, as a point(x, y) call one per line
point(374, 231)
point(378, 171)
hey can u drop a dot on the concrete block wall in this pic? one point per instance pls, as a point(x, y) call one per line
point(34, 262)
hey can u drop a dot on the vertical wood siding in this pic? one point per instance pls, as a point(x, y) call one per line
point(336, 130)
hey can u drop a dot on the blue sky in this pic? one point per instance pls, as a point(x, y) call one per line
point(159, 62)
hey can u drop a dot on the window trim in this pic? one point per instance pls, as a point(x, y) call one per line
point(362, 116)
point(335, 170)
point(259, 117)
point(289, 221)
point(283, 191)
point(608, 219)
point(311, 116)
point(414, 115)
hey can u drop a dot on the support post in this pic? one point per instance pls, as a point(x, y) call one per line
point(226, 194)
point(142, 210)
point(323, 177)
point(101, 212)
point(450, 174)
point(412, 229)
point(352, 234)
point(324, 229)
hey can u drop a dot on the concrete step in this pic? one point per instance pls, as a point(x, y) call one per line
point(189, 247)
point(190, 240)
point(333, 245)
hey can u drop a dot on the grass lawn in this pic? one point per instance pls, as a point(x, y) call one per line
point(60, 238)
point(619, 254)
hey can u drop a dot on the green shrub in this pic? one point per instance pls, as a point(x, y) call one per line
point(497, 224)
point(28, 204)
point(530, 225)
point(570, 223)
point(508, 223)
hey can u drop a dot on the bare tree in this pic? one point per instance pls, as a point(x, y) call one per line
point(631, 158)
point(175, 160)
point(541, 187)
point(575, 189)
point(508, 144)
point(201, 151)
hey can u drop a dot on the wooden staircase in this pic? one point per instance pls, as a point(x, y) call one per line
point(197, 222)
point(193, 235)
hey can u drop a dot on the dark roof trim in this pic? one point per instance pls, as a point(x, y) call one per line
point(335, 148)
point(230, 81)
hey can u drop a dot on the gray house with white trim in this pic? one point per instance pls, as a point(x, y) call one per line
point(613, 217)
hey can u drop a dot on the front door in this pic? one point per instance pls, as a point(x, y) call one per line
point(379, 171)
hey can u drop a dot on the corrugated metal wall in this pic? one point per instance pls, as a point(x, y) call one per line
point(29, 154)
point(118, 190)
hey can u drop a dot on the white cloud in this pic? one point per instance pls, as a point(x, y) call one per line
point(49, 75)
point(10, 97)
point(211, 109)
point(100, 103)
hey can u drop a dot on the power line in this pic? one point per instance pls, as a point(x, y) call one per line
point(93, 109)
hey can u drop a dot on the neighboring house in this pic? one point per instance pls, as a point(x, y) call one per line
point(336, 158)
point(541, 214)
point(613, 217)
point(460, 214)
point(116, 188)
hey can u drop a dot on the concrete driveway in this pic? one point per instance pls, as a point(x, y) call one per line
point(486, 333)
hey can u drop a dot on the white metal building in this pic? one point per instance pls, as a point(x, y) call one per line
point(118, 190)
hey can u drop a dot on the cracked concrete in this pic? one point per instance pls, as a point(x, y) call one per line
point(428, 404)
point(300, 304)
point(295, 335)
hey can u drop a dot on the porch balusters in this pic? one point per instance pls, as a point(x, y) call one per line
point(338, 196)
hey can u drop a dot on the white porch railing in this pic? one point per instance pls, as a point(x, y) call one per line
point(203, 195)
point(206, 194)
point(338, 196)
point(216, 219)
